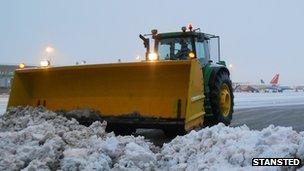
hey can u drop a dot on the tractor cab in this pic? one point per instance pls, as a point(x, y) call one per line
point(185, 45)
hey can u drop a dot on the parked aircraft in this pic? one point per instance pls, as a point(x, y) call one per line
point(273, 86)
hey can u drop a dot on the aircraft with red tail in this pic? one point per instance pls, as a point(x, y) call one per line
point(273, 86)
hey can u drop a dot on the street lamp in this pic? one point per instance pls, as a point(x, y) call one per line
point(49, 49)
point(47, 62)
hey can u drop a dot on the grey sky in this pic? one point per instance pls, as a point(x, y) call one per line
point(260, 38)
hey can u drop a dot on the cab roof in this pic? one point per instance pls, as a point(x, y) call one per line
point(182, 34)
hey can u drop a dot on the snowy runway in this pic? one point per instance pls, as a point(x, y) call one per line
point(251, 100)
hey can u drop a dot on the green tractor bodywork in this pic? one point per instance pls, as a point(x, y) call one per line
point(215, 72)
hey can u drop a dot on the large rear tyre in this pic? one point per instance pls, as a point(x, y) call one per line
point(221, 99)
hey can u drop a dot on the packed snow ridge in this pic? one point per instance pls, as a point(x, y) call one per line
point(35, 138)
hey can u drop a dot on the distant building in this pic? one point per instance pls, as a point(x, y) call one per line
point(6, 75)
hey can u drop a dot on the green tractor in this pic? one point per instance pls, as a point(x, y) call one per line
point(193, 44)
point(181, 85)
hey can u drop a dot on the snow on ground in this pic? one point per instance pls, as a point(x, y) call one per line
point(249, 100)
point(227, 148)
point(35, 138)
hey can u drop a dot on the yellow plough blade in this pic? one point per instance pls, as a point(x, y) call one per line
point(164, 89)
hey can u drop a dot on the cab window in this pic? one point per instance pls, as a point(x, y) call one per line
point(200, 48)
point(174, 48)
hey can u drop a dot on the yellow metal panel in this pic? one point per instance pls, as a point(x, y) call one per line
point(151, 88)
point(195, 100)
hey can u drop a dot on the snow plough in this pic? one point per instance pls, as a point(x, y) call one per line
point(182, 84)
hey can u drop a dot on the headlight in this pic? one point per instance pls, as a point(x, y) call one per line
point(191, 55)
point(22, 65)
point(45, 63)
point(152, 56)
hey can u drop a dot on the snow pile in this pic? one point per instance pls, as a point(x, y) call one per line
point(226, 148)
point(38, 139)
point(34, 138)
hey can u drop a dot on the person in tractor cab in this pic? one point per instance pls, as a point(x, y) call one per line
point(174, 48)
point(182, 54)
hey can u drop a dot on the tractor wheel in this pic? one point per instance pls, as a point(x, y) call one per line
point(221, 98)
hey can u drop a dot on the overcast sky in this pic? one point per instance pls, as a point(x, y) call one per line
point(260, 38)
